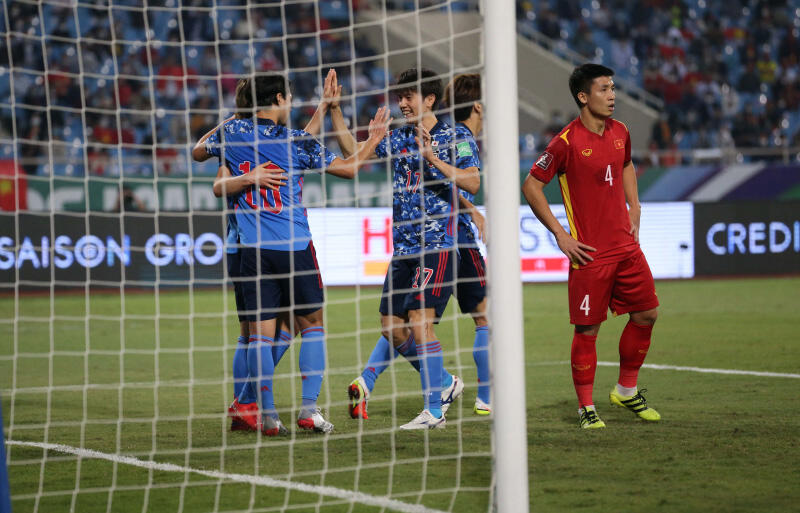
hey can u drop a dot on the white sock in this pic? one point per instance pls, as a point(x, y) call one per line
point(625, 391)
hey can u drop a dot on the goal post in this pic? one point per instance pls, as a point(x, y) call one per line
point(509, 431)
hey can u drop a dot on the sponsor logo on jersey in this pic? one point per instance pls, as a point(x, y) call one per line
point(587, 152)
point(463, 149)
point(545, 160)
point(619, 144)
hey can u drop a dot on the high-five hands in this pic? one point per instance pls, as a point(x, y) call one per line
point(379, 125)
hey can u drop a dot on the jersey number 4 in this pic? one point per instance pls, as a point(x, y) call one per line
point(609, 176)
point(426, 278)
point(275, 206)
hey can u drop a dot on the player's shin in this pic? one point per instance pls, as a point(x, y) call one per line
point(480, 353)
point(378, 361)
point(312, 367)
point(262, 369)
point(584, 364)
point(281, 346)
point(633, 346)
point(408, 350)
point(240, 370)
point(431, 366)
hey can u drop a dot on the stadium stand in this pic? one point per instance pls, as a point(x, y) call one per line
point(727, 72)
point(724, 75)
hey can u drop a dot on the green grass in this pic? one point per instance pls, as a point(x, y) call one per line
point(727, 442)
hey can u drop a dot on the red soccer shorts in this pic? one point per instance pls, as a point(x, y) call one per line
point(625, 286)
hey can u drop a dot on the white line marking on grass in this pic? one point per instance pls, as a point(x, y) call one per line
point(737, 372)
point(702, 370)
point(329, 491)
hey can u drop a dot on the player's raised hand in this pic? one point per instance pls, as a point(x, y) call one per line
point(331, 90)
point(576, 251)
point(380, 123)
point(268, 175)
point(424, 142)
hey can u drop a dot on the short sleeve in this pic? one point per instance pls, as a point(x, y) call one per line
point(382, 150)
point(467, 154)
point(551, 161)
point(627, 146)
point(316, 155)
point(212, 145)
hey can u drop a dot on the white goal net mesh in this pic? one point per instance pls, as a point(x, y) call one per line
point(118, 322)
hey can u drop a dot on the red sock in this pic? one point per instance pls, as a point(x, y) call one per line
point(633, 346)
point(584, 364)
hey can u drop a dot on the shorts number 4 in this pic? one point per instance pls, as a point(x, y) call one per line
point(585, 305)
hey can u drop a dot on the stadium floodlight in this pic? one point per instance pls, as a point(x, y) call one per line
point(118, 323)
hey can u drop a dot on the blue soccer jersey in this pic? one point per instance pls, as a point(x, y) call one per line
point(424, 199)
point(467, 155)
point(232, 233)
point(266, 218)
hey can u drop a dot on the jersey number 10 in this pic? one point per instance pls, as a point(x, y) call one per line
point(275, 206)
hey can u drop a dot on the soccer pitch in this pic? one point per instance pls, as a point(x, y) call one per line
point(728, 441)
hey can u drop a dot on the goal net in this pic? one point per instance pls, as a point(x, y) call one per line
point(120, 336)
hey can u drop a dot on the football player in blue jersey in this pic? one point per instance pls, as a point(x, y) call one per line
point(244, 411)
point(463, 97)
point(463, 93)
point(277, 252)
point(421, 274)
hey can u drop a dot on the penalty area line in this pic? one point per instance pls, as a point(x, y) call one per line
point(328, 491)
point(702, 370)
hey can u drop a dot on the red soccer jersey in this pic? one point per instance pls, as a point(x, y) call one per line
point(589, 168)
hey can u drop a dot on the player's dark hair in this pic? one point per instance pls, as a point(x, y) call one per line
point(461, 93)
point(425, 82)
point(264, 89)
point(580, 81)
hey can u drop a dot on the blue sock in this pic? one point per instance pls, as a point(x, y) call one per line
point(312, 367)
point(380, 358)
point(480, 353)
point(409, 350)
point(262, 368)
point(281, 346)
point(240, 370)
point(431, 365)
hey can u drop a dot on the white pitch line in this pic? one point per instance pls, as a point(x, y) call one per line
point(328, 491)
point(736, 372)
point(702, 370)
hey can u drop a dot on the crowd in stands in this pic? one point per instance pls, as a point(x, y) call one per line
point(142, 106)
point(728, 71)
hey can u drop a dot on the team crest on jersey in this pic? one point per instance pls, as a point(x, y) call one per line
point(587, 152)
point(545, 160)
point(619, 144)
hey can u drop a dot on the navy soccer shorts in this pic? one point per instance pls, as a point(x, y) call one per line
point(235, 274)
point(471, 285)
point(418, 281)
point(284, 281)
